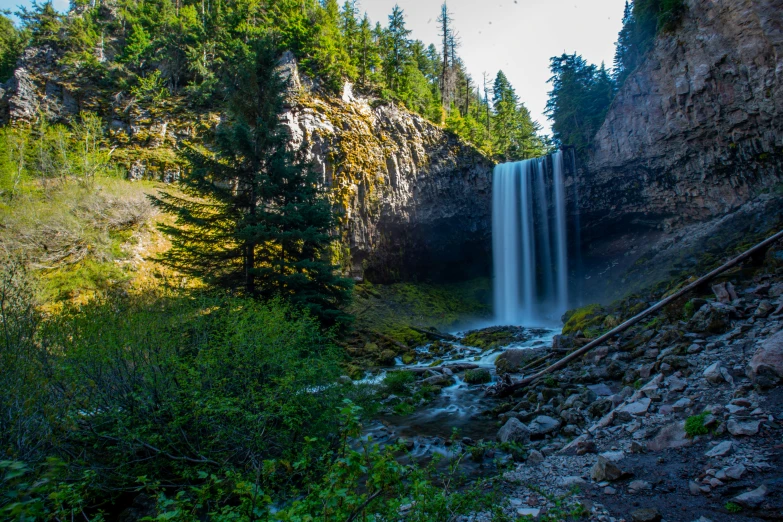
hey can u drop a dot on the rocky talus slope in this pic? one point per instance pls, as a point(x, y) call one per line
point(676, 421)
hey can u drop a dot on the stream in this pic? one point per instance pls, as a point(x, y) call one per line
point(429, 429)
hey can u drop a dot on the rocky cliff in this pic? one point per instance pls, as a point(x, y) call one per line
point(414, 201)
point(697, 129)
point(695, 134)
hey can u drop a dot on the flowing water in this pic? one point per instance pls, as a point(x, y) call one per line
point(530, 241)
point(531, 289)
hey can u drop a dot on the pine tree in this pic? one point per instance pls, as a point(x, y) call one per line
point(514, 132)
point(11, 46)
point(369, 55)
point(330, 54)
point(398, 52)
point(350, 29)
point(253, 218)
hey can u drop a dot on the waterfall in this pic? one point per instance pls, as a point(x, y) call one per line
point(530, 241)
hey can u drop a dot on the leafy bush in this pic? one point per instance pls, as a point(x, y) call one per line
point(694, 425)
point(732, 507)
point(478, 376)
point(398, 382)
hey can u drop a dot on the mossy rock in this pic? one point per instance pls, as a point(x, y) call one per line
point(588, 319)
point(494, 337)
point(386, 358)
point(408, 358)
point(354, 372)
point(478, 376)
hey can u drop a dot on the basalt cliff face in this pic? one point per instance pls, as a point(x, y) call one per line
point(415, 200)
point(692, 139)
point(697, 130)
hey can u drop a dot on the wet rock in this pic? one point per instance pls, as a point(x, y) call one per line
point(743, 428)
point(766, 367)
point(605, 469)
point(513, 360)
point(438, 380)
point(646, 515)
point(752, 499)
point(542, 425)
point(514, 431)
point(721, 450)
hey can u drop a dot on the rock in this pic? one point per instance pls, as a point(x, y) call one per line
point(637, 486)
point(514, 431)
point(609, 490)
point(682, 404)
point(752, 499)
point(438, 380)
point(743, 428)
point(764, 309)
point(514, 359)
point(601, 390)
point(735, 472)
point(766, 367)
point(605, 469)
point(646, 515)
point(725, 292)
point(721, 450)
point(528, 512)
point(714, 318)
point(670, 437)
point(626, 413)
point(542, 425)
point(571, 481)
point(534, 458)
point(713, 373)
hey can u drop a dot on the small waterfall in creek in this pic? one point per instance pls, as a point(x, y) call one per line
point(530, 241)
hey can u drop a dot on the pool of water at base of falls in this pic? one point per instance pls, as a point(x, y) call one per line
point(458, 407)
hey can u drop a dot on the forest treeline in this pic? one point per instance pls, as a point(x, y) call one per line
point(190, 48)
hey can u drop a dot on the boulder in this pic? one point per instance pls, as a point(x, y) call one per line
point(514, 431)
point(534, 458)
point(626, 413)
point(766, 367)
point(713, 373)
point(764, 309)
point(605, 469)
point(714, 318)
point(514, 359)
point(670, 437)
point(721, 450)
point(752, 499)
point(743, 428)
point(542, 425)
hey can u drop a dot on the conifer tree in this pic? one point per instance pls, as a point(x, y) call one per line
point(514, 130)
point(253, 218)
point(330, 54)
point(398, 51)
point(369, 55)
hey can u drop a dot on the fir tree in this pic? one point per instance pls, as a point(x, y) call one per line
point(254, 219)
point(11, 46)
point(369, 55)
point(398, 50)
point(514, 130)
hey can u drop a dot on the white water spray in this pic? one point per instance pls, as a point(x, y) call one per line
point(530, 241)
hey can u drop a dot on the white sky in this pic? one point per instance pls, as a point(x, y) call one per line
point(517, 36)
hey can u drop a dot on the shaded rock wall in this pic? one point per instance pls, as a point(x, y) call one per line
point(697, 130)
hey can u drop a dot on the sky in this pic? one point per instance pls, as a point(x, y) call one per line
point(515, 36)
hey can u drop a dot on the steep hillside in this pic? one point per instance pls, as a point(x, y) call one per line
point(694, 134)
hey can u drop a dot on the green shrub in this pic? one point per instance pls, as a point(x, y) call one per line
point(731, 507)
point(694, 425)
point(478, 376)
point(398, 382)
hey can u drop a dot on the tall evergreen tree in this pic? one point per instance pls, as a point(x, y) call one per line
point(369, 53)
point(253, 218)
point(11, 46)
point(398, 50)
point(580, 96)
point(514, 131)
point(330, 53)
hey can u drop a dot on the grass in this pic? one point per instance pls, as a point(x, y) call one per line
point(589, 319)
point(398, 383)
point(694, 425)
point(478, 376)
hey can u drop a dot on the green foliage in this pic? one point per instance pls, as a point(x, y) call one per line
point(398, 382)
point(733, 507)
point(589, 319)
point(478, 376)
point(514, 131)
point(580, 97)
point(694, 425)
point(254, 218)
point(642, 21)
point(12, 43)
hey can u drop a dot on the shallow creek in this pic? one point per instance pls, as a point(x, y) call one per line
point(428, 430)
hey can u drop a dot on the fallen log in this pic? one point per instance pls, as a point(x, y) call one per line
point(506, 390)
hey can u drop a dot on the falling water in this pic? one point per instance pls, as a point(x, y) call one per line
point(530, 241)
